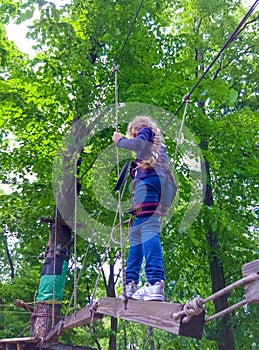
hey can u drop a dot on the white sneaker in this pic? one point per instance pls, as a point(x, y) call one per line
point(150, 292)
point(131, 288)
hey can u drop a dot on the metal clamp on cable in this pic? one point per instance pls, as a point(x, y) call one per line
point(187, 98)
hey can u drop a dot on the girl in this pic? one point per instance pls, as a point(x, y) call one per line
point(154, 191)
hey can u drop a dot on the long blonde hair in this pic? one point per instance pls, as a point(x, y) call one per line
point(135, 126)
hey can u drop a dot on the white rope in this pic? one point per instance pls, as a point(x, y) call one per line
point(78, 278)
point(195, 307)
point(191, 308)
point(75, 234)
point(115, 69)
point(187, 100)
point(54, 266)
point(116, 214)
point(250, 278)
point(119, 192)
point(226, 311)
point(104, 258)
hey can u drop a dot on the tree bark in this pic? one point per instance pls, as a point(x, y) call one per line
point(43, 319)
point(57, 253)
point(9, 257)
point(150, 336)
point(47, 312)
point(225, 337)
point(110, 290)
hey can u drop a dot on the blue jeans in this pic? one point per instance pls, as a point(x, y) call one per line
point(145, 235)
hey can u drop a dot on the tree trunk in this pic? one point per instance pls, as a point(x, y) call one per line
point(47, 310)
point(57, 254)
point(150, 336)
point(43, 319)
point(225, 337)
point(225, 334)
point(9, 257)
point(114, 321)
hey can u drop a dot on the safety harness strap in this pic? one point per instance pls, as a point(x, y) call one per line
point(150, 208)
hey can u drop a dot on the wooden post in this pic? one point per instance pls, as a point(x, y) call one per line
point(252, 288)
point(41, 320)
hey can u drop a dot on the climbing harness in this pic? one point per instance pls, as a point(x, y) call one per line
point(157, 208)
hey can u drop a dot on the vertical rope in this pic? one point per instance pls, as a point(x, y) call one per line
point(54, 266)
point(119, 192)
point(75, 234)
point(115, 69)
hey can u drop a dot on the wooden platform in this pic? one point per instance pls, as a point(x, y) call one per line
point(152, 313)
point(17, 343)
point(30, 343)
point(252, 289)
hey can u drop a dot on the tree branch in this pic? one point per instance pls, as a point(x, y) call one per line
point(247, 23)
point(9, 257)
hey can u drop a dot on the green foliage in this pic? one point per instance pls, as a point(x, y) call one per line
point(171, 44)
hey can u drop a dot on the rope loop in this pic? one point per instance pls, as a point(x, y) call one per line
point(94, 307)
point(191, 308)
point(93, 310)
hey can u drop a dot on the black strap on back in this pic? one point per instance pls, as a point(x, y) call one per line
point(128, 166)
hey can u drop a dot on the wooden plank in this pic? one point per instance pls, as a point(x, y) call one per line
point(20, 340)
point(194, 328)
point(150, 313)
point(61, 346)
point(154, 314)
point(252, 288)
point(251, 267)
point(79, 318)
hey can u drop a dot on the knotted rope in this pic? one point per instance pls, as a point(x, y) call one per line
point(191, 308)
point(195, 307)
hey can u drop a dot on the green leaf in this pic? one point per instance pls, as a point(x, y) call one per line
point(233, 94)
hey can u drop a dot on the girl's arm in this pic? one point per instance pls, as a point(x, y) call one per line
point(137, 144)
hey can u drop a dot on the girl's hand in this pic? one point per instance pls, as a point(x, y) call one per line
point(116, 136)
